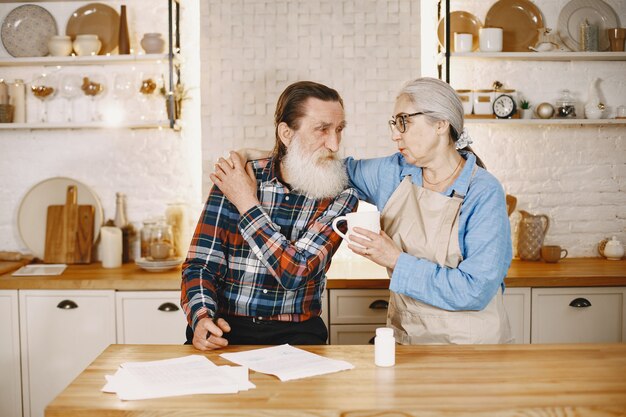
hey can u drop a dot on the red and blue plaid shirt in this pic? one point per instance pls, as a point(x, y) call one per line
point(269, 262)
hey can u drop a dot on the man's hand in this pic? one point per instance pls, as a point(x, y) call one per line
point(208, 334)
point(237, 181)
point(379, 248)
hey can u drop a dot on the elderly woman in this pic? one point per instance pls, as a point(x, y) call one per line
point(447, 239)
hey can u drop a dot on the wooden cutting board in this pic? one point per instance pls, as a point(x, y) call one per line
point(69, 231)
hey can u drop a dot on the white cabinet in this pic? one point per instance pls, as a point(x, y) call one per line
point(355, 315)
point(150, 317)
point(10, 377)
point(517, 304)
point(61, 333)
point(578, 315)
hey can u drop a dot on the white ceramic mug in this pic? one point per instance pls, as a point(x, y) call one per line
point(490, 39)
point(463, 42)
point(369, 220)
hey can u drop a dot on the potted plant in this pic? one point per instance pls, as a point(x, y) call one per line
point(525, 108)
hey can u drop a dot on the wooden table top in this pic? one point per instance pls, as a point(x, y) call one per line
point(575, 272)
point(474, 380)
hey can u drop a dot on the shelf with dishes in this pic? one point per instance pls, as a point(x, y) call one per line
point(576, 122)
point(148, 124)
point(544, 56)
point(82, 60)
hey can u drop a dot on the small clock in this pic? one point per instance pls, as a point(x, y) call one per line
point(504, 106)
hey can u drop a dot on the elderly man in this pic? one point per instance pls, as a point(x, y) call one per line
point(256, 266)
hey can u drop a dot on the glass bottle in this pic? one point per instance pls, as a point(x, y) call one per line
point(129, 235)
point(146, 236)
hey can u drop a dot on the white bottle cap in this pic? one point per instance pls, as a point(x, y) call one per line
point(384, 331)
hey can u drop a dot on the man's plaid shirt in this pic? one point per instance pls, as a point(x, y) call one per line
point(269, 262)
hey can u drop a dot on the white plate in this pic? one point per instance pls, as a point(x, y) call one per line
point(40, 270)
point(26, 30)
point(575, 12)
point(31, 216)
point(158, 266)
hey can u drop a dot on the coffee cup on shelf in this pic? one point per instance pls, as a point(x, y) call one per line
point(553, 253)
point(463, 42)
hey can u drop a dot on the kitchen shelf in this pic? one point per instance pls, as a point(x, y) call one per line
point(548, 121)
point(150, 124)
point(544, 56)
point(82, 60)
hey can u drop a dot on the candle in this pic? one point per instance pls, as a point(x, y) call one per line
point(111, 247)
point(4, 92)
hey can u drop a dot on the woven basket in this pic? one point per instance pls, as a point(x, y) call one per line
point(6, 113)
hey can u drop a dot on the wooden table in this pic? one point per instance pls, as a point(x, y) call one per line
point(487, 380)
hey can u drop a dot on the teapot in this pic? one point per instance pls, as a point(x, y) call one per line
point(531, 232)
point(613, 249)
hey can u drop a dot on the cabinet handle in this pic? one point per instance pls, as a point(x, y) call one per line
point(580, 303)
point(67, 305)
point(379, 305)
point(167, 307)
point(371, 342)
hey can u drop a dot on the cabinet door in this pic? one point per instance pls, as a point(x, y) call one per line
point(578, 315)
point(517, 304)
point(61, 333)
point(150, 317)
point(353, 334)
point(10, 377)
point(358, 306)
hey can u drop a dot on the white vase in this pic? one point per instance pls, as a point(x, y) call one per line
point(85, 45)
point(593, 107)
point(60, 45)
point(152, 43)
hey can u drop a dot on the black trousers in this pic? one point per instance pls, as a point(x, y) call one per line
point(251, 331)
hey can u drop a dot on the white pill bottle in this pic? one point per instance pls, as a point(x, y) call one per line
point(384, 347)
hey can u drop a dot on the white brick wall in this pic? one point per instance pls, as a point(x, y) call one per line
point(366, 49)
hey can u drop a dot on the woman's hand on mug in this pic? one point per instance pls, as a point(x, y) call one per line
point(378, 248)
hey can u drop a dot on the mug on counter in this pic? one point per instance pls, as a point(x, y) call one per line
point(490, 39)
point(369, 220)
point(553, 254)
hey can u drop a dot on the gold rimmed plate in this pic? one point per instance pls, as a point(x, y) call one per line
point(519, 20)
point(461, 22)
point(95, 19)
point(596, 12)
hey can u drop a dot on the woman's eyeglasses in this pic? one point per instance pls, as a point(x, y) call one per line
point(399, 121)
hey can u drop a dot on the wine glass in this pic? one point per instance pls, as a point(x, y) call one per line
point(124, 89)
point(150, 86)
point(44, 88)
point(93, 87)
point(69, 89)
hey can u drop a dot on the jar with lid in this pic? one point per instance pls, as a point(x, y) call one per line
point(146, 236)
point(483, 102)
point(565, 106)
point(384, 347)
point(161, 241)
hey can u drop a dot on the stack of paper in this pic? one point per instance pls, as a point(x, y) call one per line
point(192, 374)
point(287, 362)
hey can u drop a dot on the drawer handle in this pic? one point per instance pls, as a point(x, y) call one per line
point(379, 305)
point(67, 305)
point(371, 342)
point(167, 307)
point(580, 303)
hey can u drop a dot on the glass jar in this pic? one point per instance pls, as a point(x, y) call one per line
point(566, 106)
point(146, 236)
point(483, 102)
point(161, 242)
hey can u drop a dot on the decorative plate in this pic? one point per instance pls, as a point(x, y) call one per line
point(26, 30)
point(461, 22)
point(519, 19)
point(158, 266)
point(596, 12)
point(33, 210)
point(95, 19)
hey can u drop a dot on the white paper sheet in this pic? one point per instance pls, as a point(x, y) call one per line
point(194, 374)
point(287, 362)
point(40, 270)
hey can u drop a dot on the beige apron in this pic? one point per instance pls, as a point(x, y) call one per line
point(424, 224)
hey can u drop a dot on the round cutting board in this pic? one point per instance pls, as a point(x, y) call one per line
point(31, 216)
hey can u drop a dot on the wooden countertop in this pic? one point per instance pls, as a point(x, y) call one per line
point(478, 380)
point(575, 272)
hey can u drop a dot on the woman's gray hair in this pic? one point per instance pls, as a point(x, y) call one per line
point(440, 102)
point(438, 99)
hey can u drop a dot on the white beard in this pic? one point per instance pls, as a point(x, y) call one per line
point(320, 175)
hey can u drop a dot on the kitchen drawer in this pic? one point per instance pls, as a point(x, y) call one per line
point(352, 334)
point(358, 306)
point(517, 304)
point(150, 317)
point(578, 315)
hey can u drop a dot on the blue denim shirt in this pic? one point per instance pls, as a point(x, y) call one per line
point(484, 234)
